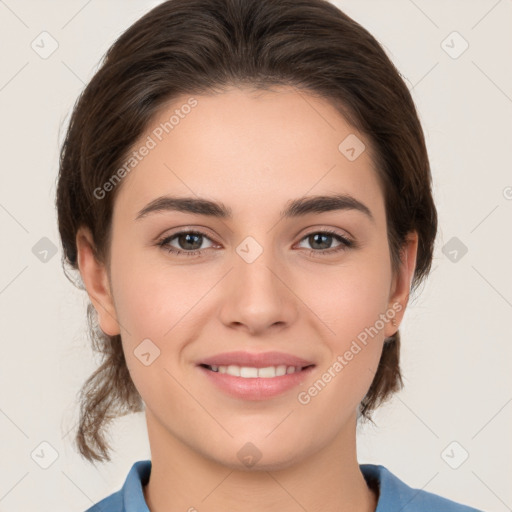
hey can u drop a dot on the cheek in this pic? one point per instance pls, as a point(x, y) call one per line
point(352, 302)
point(350, 298)
point(351, 305)
point(151, 297)
point(161, 303)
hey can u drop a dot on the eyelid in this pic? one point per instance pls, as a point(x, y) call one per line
point(326, 229)
point(203, 230)
point(173, 235)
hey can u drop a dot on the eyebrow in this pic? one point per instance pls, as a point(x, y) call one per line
point(294, 208)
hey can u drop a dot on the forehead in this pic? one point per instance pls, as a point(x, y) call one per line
point(250, 149)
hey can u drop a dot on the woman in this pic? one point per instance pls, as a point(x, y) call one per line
point(245, 190)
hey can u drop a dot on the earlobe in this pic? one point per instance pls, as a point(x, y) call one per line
point(402, 281)
point(95, 278)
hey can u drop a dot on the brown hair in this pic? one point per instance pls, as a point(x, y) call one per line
point(199, 47)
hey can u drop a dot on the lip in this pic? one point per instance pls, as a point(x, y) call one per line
point(255, 360)
point(257, 388)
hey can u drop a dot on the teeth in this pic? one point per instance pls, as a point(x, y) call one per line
point(248, 372)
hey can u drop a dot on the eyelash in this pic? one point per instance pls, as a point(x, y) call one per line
point(345, 243)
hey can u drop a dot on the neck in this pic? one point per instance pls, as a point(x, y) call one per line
point(329, 480)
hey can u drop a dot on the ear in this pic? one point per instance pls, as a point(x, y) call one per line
point(401, 284)
point(95, 278)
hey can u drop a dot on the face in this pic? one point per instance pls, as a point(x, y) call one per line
point(314, 283)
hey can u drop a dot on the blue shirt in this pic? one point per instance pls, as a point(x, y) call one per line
point(394, 494)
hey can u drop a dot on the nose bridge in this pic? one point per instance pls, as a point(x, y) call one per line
point(253, 268)
point(257, 297)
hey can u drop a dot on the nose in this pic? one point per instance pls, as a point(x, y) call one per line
point(258, 294)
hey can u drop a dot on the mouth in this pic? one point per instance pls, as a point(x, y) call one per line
point(251, 372)
point(250, 383)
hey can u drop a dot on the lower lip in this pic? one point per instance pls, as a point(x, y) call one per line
point(258, 388)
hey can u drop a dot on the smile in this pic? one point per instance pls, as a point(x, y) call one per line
point(249, 372)
point(251, 383)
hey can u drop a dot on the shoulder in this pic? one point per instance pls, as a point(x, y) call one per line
point(397, 495)
point(131, 496)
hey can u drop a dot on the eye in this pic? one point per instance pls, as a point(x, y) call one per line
point(321, 241)
point(189, 242)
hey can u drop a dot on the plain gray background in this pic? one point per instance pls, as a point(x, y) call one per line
point(456, 335)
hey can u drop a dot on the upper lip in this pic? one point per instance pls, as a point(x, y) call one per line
point(254, 360)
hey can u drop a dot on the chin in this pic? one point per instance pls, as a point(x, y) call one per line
point(259, 456)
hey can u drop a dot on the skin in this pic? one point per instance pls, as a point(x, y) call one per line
point(253, 151)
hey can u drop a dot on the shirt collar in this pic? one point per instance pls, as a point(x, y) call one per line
point(133, 495)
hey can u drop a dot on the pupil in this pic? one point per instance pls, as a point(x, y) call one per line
point(314, 239)
point(188, 239)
